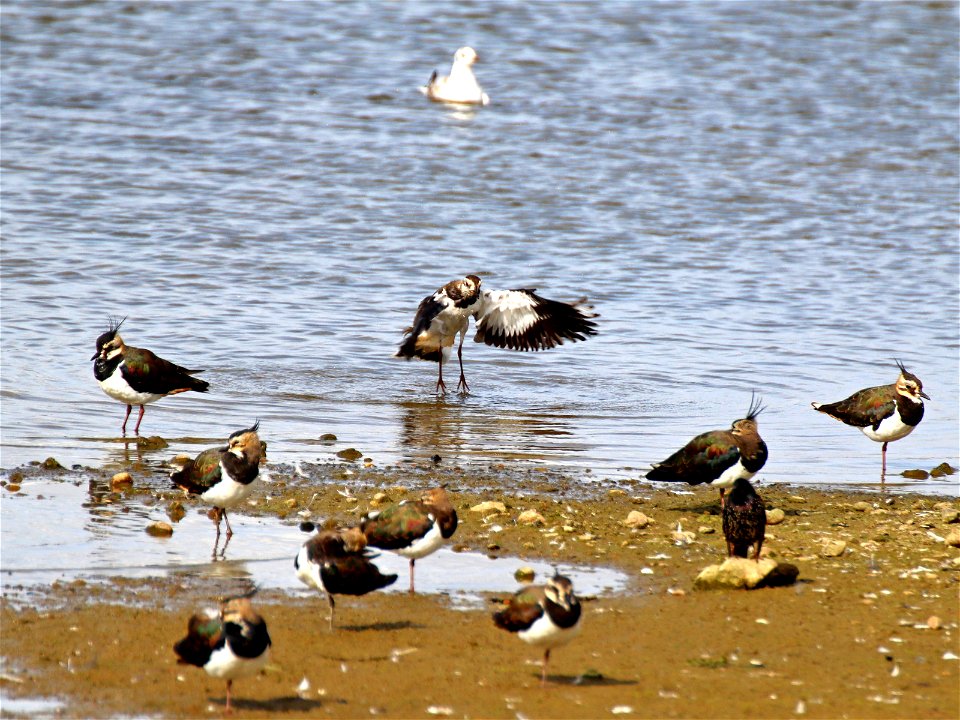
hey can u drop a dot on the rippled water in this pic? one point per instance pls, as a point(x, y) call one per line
point(756, 196)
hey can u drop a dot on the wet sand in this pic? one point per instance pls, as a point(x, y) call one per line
point(861, 635)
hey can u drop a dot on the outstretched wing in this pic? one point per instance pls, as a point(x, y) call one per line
point(522, 320)
point(701, 460)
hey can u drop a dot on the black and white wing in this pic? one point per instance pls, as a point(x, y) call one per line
point(522, 320)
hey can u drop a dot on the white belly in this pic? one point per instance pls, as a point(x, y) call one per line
point(731, 474)
point(307, 572)
point(227, 493)
point(429, 543)
point(224, 664)
point(891, 428)
point(117, 388)
point(543, 633)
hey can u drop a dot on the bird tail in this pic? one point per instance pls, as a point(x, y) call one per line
point(410, 348)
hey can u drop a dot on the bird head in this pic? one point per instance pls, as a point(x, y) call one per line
point(909, 385)
point(246, 443)
point(748, 424)
point(109, 343)
point(466, 56)
point(559, 589)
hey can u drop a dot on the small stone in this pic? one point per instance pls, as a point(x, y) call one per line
point(488, 507)
point(862, 506)
point(13, 487)
point(943, 469)
point(616, 492)
point(290, 502)
point(154, 442)
point(916, 474)
point(181, 460)
point(328, 438)
point(775, 516)
point(949, 515)
point(160, 529)
point(933, 622)
point(636, 519)
point(531, 517)
point(797, 499)
point(51, 464)
point(833, 548)
point(744, 573)
point(175, 511)
point(706, 530)
point(525, 574)
point(953, 539)
point(350, 454)
point(121, 479)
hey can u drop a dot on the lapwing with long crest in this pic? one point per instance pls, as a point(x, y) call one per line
point(224, 476)
point(744, 520)
point(511, 319)
point(884, 413)
point(337, 562)
point(413, 528)
point(228, 643)
point(135, 376)
point(546, 616)
point(718, 457)
point(460, 86)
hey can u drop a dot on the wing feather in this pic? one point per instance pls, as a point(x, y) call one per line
point(522, 320)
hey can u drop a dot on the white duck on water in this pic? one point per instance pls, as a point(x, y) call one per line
point(461, 85)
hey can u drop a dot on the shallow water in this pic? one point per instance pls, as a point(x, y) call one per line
point(756, 196)
point(40, 548)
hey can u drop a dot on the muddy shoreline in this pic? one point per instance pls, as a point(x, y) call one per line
point(869, 632)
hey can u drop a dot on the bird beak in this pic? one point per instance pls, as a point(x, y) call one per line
point(95, 355)
point(924, 395)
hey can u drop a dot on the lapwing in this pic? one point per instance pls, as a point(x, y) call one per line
point(228, 643)
point(135, 376)
point(224, 477)
point(460, 86)
point(512, 319)
point(884, 413)
point(546, 616)
point(744, 520)
point(337, 562)
point(718, 457)
point(413, 528)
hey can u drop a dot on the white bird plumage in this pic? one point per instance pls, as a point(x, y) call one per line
point(461, 85)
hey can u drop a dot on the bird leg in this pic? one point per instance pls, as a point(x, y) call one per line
point(441, 386)
point(123, 428)
point(722, 501)
point(228, 710)
point(332, 609)
point(883, 467)
point(412, 561)
point(136, 430)
point(756, 555)
point(543, 671)
point(227, 521)
point(216, 520)
point(462, 386)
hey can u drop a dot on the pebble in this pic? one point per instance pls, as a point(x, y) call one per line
point(160, 529)
point(953, 539)
point(775, 516)
point(350, 454)
point(943, 469)
point(949, 515)
point(933, 622)
point(525, 574)
point(121, 479)
point(833, 548)
point(862, 506)
point(490, 506)
point(636, 519)
point(13, 487)
point(531, 517)
point(616, 492)
point(706, 530)
point(916, 474)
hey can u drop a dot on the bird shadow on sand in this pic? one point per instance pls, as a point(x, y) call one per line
point(287, 704)
point(382, 626)
point(587, 680)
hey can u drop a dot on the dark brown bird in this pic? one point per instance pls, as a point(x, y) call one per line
point(744, 520)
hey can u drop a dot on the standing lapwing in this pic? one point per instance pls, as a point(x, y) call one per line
point(229, 643)
point(413, 528)
point(546, 616)
point(136, 376)
point(225, 476)
point(718, 457)
point(884, 413)
point(337, 562)
point(512, 319)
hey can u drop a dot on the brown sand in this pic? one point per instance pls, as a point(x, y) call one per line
point(862, 635)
